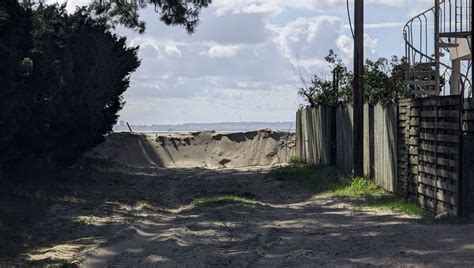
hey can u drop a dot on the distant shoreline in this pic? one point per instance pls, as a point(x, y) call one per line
point(218, 127)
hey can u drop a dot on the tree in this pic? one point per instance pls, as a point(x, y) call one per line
point(83, 104)
point(321, 91)
point(15, 43)
point(67, 87)
point(172, 12)
point(383, 82)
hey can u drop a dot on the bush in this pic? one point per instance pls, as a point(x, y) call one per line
point(15, 43)
point(67, 87)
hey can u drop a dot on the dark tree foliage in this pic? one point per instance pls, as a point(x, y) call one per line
point(15, 66)
point(71, 82)
point(333, 91)
point(172, 12)
point(383, 82)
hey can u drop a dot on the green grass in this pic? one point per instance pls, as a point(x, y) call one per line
point(376, 196)
point(358, 187)
point(320, 179)
point(329, 180)
point(228, 198)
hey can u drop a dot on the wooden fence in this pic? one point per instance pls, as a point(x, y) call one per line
point(430, 159)
point(422, 149)
point(324, 137)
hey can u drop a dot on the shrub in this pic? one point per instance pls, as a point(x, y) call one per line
point(69, 82)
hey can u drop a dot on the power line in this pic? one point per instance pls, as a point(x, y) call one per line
point(349, 18)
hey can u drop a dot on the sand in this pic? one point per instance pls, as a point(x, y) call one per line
point(142, 214)
point(199, 149)
point(148, 220)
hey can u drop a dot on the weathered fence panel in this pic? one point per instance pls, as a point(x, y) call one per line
point(344, 124)
point(369, 136)
point(429, 150)
point(468, 159)
point(439, 154)
point(314, 126)
point(422, 149)
point(408, 164)
point(380, 126)
point(385, 146)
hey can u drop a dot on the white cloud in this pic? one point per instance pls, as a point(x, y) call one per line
point(306, 41)
point(346, 45)
point(223, 51)
point(172, 50)
point(278, 6)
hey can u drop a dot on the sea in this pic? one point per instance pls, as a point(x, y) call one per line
point(225, 127)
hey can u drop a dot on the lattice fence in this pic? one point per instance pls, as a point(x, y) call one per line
point(408, 148)
point(429, 145)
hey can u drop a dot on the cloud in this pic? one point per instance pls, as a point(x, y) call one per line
point(306, 41)
point(310, 38)
point(173, 51)
point(346, 45)
point(223, 51)
point(275, 7)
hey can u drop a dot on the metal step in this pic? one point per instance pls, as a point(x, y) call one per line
point(425, 64)
point(422, 83)
point(421, 74)
point(448, 45)
point(455, 34)
point(423, 92)
point(441, 54)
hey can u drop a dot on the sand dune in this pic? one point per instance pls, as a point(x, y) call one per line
point(198, 149)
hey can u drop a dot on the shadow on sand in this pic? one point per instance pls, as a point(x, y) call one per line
point(147, 217)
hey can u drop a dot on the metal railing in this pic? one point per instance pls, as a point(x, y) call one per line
point(425, 45)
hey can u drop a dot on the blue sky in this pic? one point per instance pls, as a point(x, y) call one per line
point(240, 62)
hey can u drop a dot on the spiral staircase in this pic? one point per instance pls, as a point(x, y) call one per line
point(438, 50)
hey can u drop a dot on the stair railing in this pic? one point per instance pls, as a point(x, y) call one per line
point(420, 47)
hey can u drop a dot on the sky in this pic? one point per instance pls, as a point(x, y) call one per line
point(240, 64)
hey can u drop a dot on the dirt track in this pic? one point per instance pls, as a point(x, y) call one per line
point(147, 218)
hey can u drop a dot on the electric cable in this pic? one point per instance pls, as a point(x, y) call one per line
point(349, 17)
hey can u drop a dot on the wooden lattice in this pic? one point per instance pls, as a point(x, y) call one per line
point(429, 145)
point(408, 148)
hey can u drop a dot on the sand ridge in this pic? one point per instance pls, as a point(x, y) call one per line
point(206, 149)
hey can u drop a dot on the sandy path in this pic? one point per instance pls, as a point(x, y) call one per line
point(148, 219)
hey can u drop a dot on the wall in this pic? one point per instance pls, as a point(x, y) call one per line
point(421, 149)
point(325, 138)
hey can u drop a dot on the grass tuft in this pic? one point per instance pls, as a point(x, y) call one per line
point(358, 187)
point(329, 180)
point(317, 178)
point(228, 198)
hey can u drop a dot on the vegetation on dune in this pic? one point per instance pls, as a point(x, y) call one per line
point(330, 181)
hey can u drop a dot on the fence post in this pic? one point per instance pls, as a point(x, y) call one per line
point(333, 135)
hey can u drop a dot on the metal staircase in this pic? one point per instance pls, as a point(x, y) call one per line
point(438, 49)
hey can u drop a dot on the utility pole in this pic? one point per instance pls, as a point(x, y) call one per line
point(358, 91)
point(436, 46)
